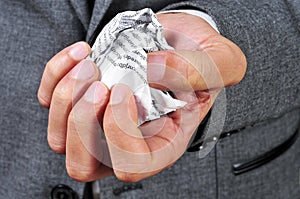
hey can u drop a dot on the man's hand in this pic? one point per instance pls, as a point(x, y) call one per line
point(202, 64)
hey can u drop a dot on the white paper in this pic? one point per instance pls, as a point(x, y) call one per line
point(120, 51)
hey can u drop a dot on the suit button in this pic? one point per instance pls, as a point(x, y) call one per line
point(63, 192)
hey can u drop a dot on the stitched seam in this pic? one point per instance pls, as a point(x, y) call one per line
point(216, 168)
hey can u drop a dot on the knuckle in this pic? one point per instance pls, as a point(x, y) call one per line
point(63, 92)
point(78, 120)
point(240, 66)
point(52, 70)
point(56, 144)
point(127, 177)
point(79, 172)
point(78, 175)
point(44, 102)
point(238, 63)
point(75, 120)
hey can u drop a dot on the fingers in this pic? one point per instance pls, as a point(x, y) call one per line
point(87, 156)
point(66, 94)
point(58, 67)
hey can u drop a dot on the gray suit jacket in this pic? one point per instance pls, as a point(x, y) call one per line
point(262, 112)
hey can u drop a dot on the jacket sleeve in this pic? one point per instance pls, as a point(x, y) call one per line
point(268, 34)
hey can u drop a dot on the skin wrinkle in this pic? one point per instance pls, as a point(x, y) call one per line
point(165, 138)
point(57, 143)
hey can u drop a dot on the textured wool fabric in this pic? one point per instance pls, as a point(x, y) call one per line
point(190, 177)
point(267, 101)
point(277, 179)
point(31, 32)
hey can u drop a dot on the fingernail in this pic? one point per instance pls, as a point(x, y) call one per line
point(84, 70)
point(119, 94)
point(79, 51)
point(96, 93)
point(156, 67)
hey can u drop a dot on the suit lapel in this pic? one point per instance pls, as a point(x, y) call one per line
point(83, 11)
point(100, 7)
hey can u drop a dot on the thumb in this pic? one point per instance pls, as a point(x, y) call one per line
point(182, 71)
point(203, 59)
point(212, 68)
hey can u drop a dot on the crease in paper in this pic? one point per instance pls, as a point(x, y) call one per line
point(120, 52)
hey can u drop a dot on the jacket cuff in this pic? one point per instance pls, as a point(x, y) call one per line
point(194, 5)
point(198, 13)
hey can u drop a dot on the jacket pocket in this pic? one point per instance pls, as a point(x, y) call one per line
point(242, 167)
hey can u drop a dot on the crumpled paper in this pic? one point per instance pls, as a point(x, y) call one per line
point(120, 52)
